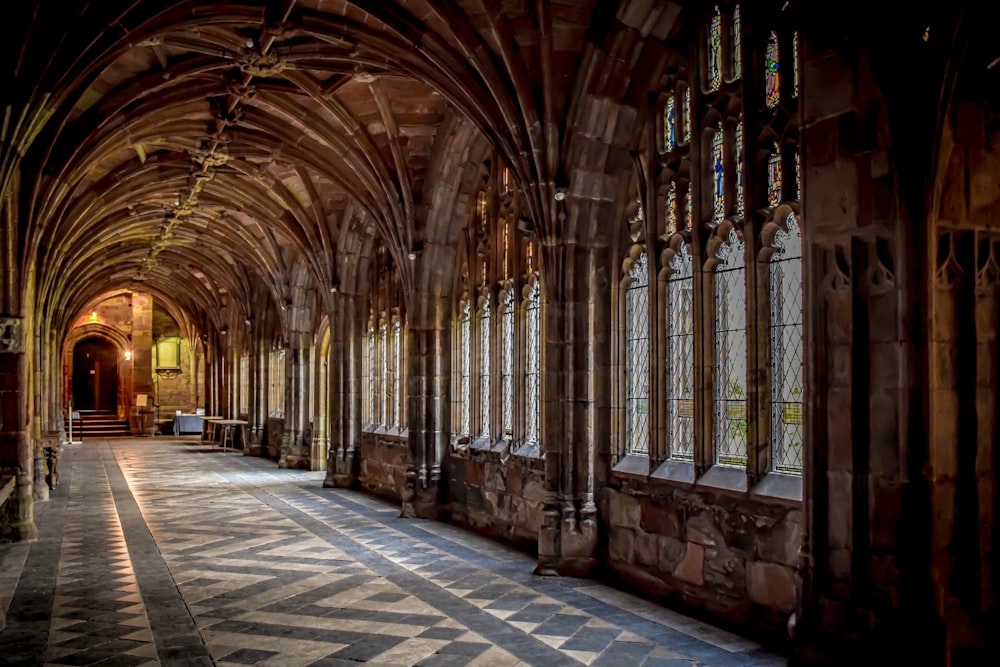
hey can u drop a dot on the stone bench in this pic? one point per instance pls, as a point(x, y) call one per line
point(6, 488)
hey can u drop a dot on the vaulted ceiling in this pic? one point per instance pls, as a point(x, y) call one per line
point(207, 151)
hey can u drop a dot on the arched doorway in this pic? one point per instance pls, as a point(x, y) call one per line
point(95, 375)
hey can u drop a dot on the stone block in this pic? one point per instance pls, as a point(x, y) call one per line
point(622, 545)
point(671, 552)
point(781, 543)
point(701, 529)
point(625, 511)
point(534, 490)
point(773, 586)
point(647, 549)
point(661, 519)
point(690, 569)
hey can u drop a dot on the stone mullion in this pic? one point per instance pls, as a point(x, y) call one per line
point(703, 315)
point(758, 318)
point(987, 323)
point(253, 384)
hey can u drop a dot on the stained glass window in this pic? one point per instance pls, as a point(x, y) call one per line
point(719, 178)
point(680, 356)
point(798, 175)
point(507, 365)
point(484, 370)
point(795, 64)
point(774, 178)
point(672, 208)
point(397, 370)
point(686, 115)
point(786, 350)
point(740, 200)
point(465, 371)
point(637, 358)
point(731, 354)
point(772, 88)
point(669, 125)
point(737, 44)
point(687, 208)
point(533, 366)
point(715, 51)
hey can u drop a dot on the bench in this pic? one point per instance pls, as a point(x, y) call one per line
point(6, 488)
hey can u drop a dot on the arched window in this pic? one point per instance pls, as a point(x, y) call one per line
point(786, 349)
point(507, 364)
point(731, 353)
point(680, 355)
point(368, 377)
point(383, 402)
point(464, 356)
point(533, 363)
point(276, 398)
point(484, 367)
point(637, 357)
point(397, 372)
point(244, 397)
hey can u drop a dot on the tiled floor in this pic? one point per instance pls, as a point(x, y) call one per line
point(162, 552)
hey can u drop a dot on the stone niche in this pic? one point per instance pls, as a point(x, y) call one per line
point(497, 494)
point(384, 457)
point(734, 557)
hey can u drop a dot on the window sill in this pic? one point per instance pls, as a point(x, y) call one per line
point(780, 487)
point(529, 450)
point(632, 466)
point(724, 478)
point(681, 472)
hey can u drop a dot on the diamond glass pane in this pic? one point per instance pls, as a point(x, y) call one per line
point(730, 355)
point(484, 371)
point(465, 340)
point(772, 59)
point(367, 380)
point(533, 366)
point(786, 350)
point(637, 358)
point(719, 179)
point(397, 370)
point(680, 356)
point(383, 404)
point(715, 51)
point(507, 365)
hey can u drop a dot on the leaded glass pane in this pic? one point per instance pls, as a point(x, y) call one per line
point(507, 365)
point(795, 64)
point(680, 356)
point(786, 350)
point(484, 371)
point(383, 412)
point(772, 60)
point(737, 44)
point(719, 178)
point(669, 125)
point(798, 175)
point(368, 381)
point(687, 208)
point(715, 51)
point(731, 355)
point(740, 200)
point(637, 358)
point(686, 116)
point(774, 178)
point(397, 368)
point(533, 366)
point(465, 340)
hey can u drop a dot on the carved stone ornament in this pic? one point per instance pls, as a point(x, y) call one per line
point(11, 335)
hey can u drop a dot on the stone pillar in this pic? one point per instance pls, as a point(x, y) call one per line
point(319, 449)
point(568, 536)
point(345, 344)
point(293, 454)
point(17, 521)
point(142, 362)
point(428, 386)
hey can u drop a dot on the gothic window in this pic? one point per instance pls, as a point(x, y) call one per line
point(368, 377)
point(718, 178)
point(397, 368)
point(244, 397)
point(786, 349)
point(383, 398)
point(715, 50)
point(276, 395)
point(637, 357)
point(731, 354)
point(507, 364)
point(680, 355)
point(533, 365)
point(464, 355)
point(484, 367)
point(772, 72)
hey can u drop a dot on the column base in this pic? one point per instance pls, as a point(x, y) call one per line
point(17, 517)
point(567, 545)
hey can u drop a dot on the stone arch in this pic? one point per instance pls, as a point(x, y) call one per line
point(119, 340)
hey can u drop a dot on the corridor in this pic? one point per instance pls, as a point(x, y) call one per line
point(165, 552)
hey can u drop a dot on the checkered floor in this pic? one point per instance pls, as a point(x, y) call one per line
point(161, 552)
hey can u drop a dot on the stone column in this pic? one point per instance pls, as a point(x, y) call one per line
point(319, 450)
point(568, 536)
point(142, 361)
point(17, 521)
point(345, 345)
point(428, 386)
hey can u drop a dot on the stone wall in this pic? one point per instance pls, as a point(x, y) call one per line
point(178, 392)
point(500, 498)
point(383, 464)
point(729, 555)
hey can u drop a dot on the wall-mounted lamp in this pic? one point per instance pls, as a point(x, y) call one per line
point(128, 355)
point(224, 330)
point(415, 250)
point(560, 195)
point(334, 285)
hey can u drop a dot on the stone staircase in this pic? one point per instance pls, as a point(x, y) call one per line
point(98, 424)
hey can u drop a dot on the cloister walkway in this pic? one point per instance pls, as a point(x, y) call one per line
point(158, 551)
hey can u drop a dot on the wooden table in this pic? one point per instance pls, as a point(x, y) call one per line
point(208, 428)
point(227, 431)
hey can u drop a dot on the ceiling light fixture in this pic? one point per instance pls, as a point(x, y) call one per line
point(249, 42)
point(560, 195)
